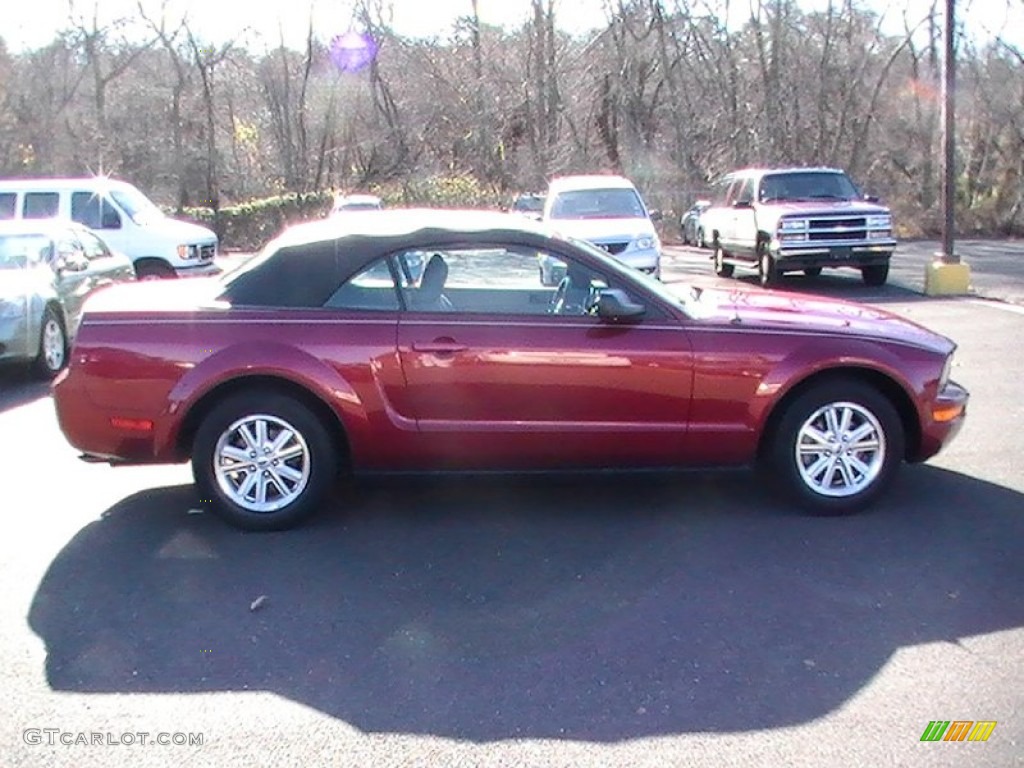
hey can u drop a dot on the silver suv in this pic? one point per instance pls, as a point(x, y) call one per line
point(786, 220)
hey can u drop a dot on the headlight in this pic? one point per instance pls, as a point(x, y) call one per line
point(792, 225)
point(187, 251)
point(944, 376)
point(644, 243)
point(879, 222)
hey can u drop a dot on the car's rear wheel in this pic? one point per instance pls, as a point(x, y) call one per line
point(264, 460)
point(53, 346)
point(718, 258)
point(836, 446)
point(812, 271)
point(875, 275)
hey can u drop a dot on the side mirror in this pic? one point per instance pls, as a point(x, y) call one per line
point(656, 215)
point(871, 199)
point(614, 304)
point(110, 219)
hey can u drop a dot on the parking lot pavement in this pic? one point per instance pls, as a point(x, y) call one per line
point(997, 270)
point(652, 621)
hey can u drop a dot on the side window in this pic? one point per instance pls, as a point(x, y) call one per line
point(8, 201)
point(93, 247)
point(85, 209)
point(40, 205)
point(508, 280)
point(721, 193)
point(371, 289)
point(745, 194)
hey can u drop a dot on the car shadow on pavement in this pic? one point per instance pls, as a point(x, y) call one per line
point(19, 387)
point(599, 609)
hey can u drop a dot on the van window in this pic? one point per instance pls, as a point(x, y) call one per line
point(40, 205)
point(8, 201)
point(92, 210)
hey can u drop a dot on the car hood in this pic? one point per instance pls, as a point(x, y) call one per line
point(149, 296)
point(603, 229)
point(822, 207)
point(186, 231)
point(780, 310)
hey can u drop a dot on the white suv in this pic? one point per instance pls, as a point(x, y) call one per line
point(606, 211)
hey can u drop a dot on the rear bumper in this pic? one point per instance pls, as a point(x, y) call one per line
point(89, 428)
point(944, 422)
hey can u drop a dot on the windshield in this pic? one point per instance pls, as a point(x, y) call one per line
point(18, 251)
point(598, 204)
point(138, 207)
point(807, 186)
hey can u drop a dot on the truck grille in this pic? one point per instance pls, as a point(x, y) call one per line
point(207, 252)
point(837, 228)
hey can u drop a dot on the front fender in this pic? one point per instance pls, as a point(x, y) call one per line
point(824, 355)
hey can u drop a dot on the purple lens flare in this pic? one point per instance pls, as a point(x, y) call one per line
point(353, 51)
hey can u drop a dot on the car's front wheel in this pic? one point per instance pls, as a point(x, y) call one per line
point(836, 446)
point(263, 460)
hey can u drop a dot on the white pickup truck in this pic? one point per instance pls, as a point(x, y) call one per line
point(793, 219)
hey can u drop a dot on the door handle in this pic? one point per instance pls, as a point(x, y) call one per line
point(439, 347)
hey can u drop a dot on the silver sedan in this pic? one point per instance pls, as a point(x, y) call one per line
point(47, 269)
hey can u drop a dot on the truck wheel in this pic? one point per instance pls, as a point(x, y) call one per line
point(721, 268)
point(766, 268)
point(875, 275)
point(153, 270)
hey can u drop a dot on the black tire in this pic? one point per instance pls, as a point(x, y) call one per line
point(812, 271)
point(683, 236)
point(46, 365)
point(767, 271)
point(875, 275)
point(154, 270)
point(718, 260)
point(318, 461)
point(788, 473)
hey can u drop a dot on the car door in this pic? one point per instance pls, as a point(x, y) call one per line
point(104, 266)
point(743, 240)
point(71, 276)
point(501, 375)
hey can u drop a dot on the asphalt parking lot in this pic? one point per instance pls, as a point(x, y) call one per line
point(686, 620)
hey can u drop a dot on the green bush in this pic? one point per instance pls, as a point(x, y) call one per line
point(248, 226)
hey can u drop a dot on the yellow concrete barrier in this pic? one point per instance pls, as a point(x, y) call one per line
point(942, 279)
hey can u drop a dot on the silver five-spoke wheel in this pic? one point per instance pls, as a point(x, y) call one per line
point(53, 344)
point(262, 463)
point(840, 449)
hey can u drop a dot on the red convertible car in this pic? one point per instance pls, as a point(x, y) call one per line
point(327, 354)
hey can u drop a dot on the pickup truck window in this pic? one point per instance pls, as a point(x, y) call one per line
point(807, 186)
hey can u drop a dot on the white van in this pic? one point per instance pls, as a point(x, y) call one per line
point(125, 218)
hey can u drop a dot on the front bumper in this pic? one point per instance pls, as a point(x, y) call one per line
point(944, 421)
point(792, 257)
point(198, 270)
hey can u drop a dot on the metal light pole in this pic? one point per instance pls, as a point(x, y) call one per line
point(949, 137)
